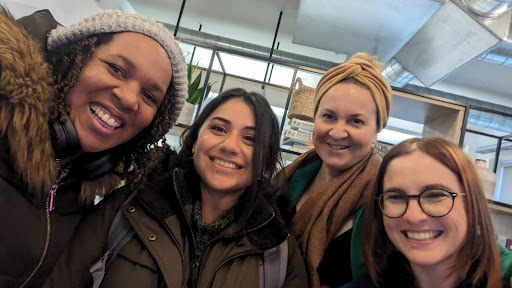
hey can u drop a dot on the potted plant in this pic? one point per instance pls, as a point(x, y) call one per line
point(194, 94)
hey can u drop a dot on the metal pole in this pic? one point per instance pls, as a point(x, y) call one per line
point(194, 50)
point(272, 69)
point(497, 155)
point(179, 17)
point(283, 121)
point(273, 44)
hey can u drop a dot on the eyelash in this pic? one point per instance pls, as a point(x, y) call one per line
point(359, 121)
point(116, 69)
point(327, 116)
point(220, 129)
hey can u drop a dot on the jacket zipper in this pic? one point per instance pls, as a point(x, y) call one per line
point(46, 244)
point(49, 207)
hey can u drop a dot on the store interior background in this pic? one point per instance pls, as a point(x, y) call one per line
point(330, 30)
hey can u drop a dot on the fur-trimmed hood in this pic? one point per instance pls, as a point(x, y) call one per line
point(26, 94)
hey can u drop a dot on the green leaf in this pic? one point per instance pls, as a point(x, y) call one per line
point(194, 98)
point(194, 86)
point(189, 72)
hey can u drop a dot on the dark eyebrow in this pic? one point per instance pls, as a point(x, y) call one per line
point(435, 187)
point(393, 189)
point(425, 188)
point(218, 118)
point(153, 86)
point(358, 115)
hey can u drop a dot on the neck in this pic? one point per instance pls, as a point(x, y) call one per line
point(215, 205)
point(326, 173)
point(436, 276)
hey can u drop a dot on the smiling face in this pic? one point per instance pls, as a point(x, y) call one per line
point(345, 126)
point(425, 240)
point(224, 148)
point(118, 91)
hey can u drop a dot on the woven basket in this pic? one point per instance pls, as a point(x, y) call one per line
point(302, 105)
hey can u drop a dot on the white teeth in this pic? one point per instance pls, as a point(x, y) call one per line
point(225, 164)
point(104, 115)
point(338, 147)
point(422, 236)
point(111, 122)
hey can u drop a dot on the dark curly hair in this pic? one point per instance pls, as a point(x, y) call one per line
point(138, 155)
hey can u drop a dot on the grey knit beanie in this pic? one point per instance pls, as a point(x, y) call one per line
point(111, 21)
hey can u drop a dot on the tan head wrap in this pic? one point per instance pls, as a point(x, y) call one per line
point(360, 67)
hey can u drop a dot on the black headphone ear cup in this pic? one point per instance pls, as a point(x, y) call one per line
point(90, 166)
point(65, 140)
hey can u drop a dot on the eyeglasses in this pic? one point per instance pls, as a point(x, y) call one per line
point(434, 202)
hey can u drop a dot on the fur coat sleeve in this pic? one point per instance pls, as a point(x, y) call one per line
point(26, 94)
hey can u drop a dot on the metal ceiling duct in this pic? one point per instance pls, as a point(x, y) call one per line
point(495, 14)
point(487, 8)
point(450, 39)
point(249, 48)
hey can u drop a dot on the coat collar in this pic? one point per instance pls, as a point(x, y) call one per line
point(171, 188)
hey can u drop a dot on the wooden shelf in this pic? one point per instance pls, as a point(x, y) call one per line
point(499, 206)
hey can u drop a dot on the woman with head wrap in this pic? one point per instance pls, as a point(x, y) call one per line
point(74, 123)
point(328, 185)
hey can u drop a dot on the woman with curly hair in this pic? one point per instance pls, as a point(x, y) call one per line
point(78, 116)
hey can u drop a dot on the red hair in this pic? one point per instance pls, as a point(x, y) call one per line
point(479, 248)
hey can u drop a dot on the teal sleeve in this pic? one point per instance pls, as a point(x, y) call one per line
point(506, 262)
point(359, 269)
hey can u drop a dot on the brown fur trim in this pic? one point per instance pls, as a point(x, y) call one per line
point(25, 96)
point(99, 187)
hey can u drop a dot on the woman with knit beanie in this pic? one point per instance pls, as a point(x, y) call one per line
point(78, 115)
point(329, 185)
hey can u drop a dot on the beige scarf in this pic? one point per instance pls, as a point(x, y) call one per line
point(326, 209)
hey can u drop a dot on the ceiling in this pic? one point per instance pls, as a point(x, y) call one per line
point(255, 22)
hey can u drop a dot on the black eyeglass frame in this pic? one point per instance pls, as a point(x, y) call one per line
point(417, 197)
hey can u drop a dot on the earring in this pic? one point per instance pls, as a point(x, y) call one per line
point(261, 178)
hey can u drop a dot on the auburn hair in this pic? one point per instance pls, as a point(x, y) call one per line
point(480, 247)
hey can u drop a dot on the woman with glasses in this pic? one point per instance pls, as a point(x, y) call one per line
point(429, 225)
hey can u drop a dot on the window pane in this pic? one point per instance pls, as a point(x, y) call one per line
point(242, 66)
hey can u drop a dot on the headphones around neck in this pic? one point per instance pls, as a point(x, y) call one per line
point(87, 166)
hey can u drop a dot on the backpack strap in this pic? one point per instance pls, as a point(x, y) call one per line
point(119, 233)
point(274, 266)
